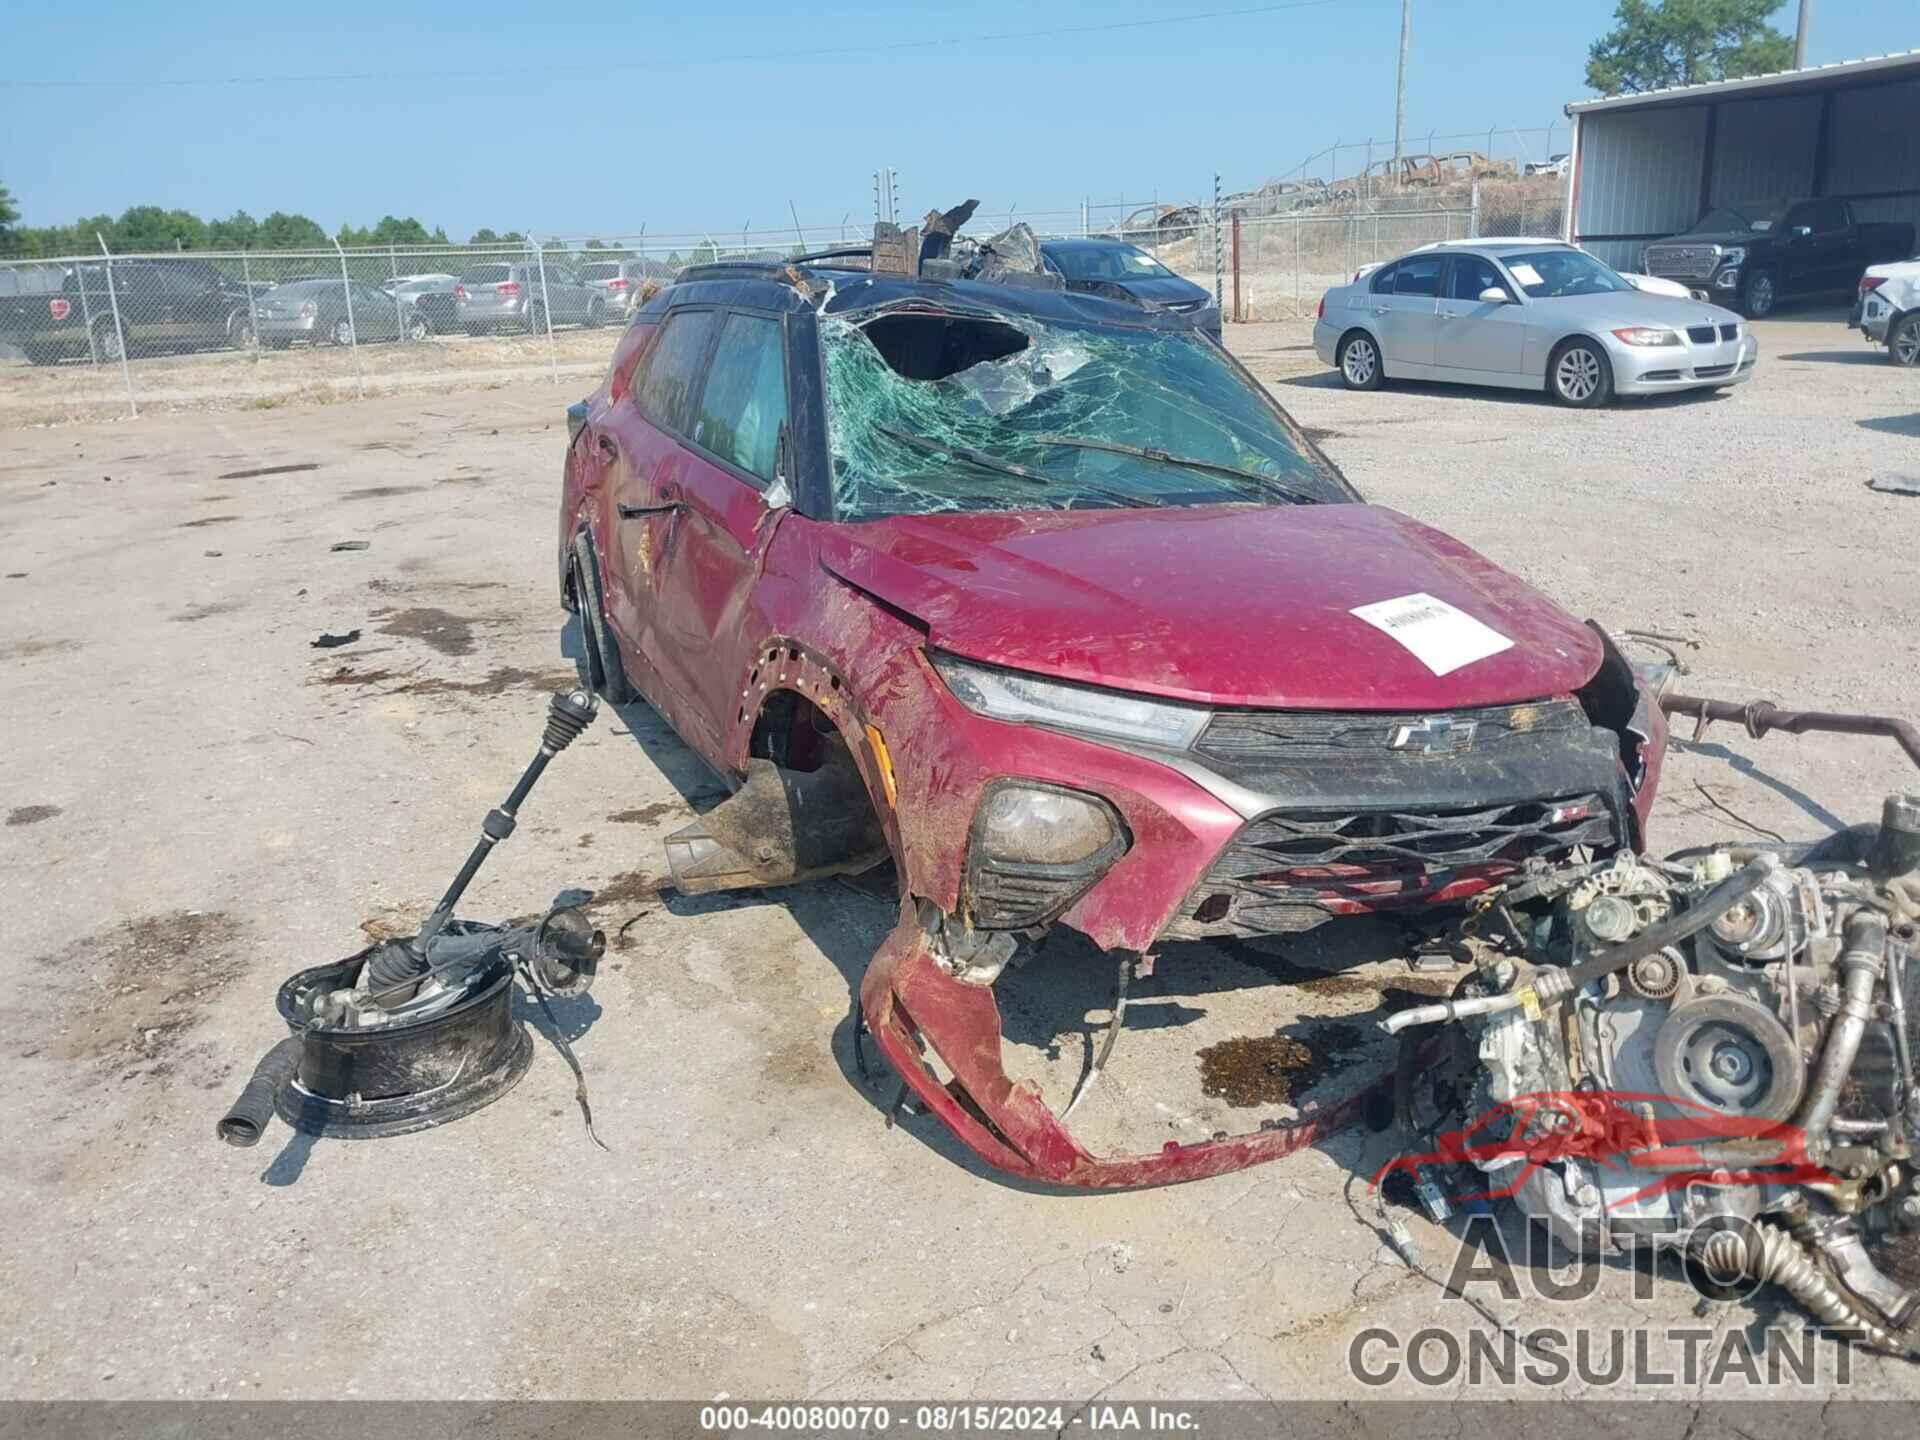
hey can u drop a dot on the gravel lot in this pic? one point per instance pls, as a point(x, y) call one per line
point(199, 802)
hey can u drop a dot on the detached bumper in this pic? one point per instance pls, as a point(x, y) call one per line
point(909, 1000)
point(1655, 370)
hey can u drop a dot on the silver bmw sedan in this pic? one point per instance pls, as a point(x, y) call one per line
point(1526, 316)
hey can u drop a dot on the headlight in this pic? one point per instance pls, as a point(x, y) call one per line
point(1733, 255)
point(1646, 335)
point(1035, 849)
point(1028, 825)
point(1029, 700)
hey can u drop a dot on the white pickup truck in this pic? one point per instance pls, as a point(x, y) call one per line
point(1888, 311)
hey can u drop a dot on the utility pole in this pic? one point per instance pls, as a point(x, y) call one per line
point(1400, 87)
point(1800, 37)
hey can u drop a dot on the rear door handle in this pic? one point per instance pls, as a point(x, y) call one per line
point(634, 512)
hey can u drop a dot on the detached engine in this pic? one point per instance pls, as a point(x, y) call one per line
point(1654, 1050)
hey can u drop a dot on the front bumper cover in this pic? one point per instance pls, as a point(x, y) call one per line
point(908, 1001)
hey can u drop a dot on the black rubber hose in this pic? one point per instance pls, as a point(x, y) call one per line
point(244, 1124)
point(1655, 938)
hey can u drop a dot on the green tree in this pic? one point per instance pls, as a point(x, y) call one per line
point(148, 228)
point(393, 231)
point(9, 212)
point(280, 231)
point(239, 231)
point(1658, 43)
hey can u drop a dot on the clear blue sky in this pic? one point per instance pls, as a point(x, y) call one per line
point(695, 133)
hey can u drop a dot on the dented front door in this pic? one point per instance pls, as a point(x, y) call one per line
point(710, 554)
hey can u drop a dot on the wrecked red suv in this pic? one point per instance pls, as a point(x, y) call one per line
point(1041, 596)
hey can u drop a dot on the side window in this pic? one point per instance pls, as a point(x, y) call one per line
point(1471, 275)
point(665, 391)
point(744, 402)
point(1802, 215)
point(1383, 279)
point(1418, 277)
point(1829, 216)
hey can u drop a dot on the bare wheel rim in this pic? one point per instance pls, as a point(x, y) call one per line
point(1578, 373)
point(417, 328)
point(1906, 342)
point(342, 333)
point(1360, 361)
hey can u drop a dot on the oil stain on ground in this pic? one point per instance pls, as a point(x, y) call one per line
point(442, 630)
point(648, 814)
point(1251, 1070)
point(207, 611)
point(205, 521)
point(382, 492)
point(496, 681)
point(267, 470)
point(129, 992)
point(31, 814)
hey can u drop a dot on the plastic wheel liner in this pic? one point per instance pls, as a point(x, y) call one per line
point(908, 1001)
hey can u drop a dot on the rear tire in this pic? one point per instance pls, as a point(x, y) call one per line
point(417, 328)
point(1579, 376)
point(341, 333)
point(106, 340)
point(605, 671)
point(536, 320)
point(596, 315)
point(1903, 340)
point(1358, 359)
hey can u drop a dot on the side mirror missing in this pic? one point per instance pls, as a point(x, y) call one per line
point(1493, 295)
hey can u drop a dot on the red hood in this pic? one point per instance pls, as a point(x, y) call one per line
point(1229, 605)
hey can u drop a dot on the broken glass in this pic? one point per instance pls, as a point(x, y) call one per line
point(1009, 386)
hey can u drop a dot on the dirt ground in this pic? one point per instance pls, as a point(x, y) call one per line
point(199, 801)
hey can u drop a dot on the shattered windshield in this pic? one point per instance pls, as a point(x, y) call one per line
point(932, 411)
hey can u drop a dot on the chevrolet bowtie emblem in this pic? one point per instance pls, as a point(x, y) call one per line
point(1436, 735)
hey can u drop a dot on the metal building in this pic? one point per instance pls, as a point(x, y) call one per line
point(1649, 165)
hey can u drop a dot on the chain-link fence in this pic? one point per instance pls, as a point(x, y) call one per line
point(1278, 266)
point(93, 335)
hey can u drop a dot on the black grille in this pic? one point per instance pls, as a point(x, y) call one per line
point(1260, 737)
point(1288, 870)
point(1711, 372)
point(1702, 334)
point(1729, 332)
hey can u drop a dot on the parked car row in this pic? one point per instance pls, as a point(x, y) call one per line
point(1888, 309)
point(55, 312)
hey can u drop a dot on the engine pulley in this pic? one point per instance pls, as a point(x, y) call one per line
point(1730, 1053)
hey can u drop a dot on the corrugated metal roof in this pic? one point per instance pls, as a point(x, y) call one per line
point(1774, 82)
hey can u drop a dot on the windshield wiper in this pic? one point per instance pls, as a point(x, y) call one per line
point(1162, 457)
point(985, 461)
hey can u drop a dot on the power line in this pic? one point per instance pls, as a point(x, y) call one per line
point(599, 68)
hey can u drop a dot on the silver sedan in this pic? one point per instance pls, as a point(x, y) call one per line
point(1526, 316)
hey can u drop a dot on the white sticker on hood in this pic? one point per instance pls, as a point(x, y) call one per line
point(1439, 636)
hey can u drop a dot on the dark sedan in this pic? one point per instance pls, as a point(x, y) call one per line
point(319, 312)
point(1120, 271)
